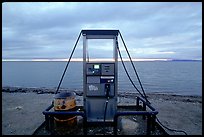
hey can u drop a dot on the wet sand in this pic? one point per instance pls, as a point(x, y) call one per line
point(22, 109)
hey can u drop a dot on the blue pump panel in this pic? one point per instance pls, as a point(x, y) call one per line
point(100, 85)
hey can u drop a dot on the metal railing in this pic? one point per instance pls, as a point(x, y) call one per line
point(151, 115)
point(139, 110)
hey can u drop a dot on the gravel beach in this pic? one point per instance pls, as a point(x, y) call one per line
point(22, 109)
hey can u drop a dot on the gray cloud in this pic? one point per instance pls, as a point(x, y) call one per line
point(151, 30)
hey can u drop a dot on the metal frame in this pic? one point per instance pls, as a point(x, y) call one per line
point(99, 34)
point(150, 115)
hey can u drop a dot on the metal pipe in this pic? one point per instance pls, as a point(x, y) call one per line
point(125, 113)
point(144, 109)
point(64, 113)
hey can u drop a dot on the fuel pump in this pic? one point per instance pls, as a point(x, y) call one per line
point(100, 80)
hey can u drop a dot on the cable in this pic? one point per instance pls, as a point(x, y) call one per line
point(171, 129)
point(139, 81)
point(128, 74)
point(133, 66)
point(67, 63)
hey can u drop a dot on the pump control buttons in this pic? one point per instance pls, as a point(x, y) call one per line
point(107, 79)
point(107, 69)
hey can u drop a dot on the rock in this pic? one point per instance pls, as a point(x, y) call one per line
point(19, 107)
point(129, 127)
point(40, 92)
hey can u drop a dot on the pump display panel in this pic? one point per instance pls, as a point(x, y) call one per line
point(96, 66)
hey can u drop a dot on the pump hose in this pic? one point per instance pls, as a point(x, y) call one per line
point(104, 120)
point(144, 96)
point(129, 75)
point(133, 67)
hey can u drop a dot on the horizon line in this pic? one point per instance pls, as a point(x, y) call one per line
point(100, 59)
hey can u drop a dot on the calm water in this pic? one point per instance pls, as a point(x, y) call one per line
point(182, 78)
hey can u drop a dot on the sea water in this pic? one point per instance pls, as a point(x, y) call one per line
point(174, 77)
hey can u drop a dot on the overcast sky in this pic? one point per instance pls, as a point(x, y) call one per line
point(150, 30)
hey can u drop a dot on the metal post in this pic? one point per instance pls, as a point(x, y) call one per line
point(153, 123)
point(85, 125)
point(52, 124)
point(47, 127)
point(144, 109)
point(115, 124)
point(115, 45)
point(84, 67)
point(148, 124)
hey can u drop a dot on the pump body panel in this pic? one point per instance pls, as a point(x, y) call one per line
point(100, 80)
point(100, 85)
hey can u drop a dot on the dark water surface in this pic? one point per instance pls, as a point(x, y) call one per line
point(177, 77)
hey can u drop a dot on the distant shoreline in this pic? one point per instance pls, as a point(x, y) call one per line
point(80, 93)
point(81, 60)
